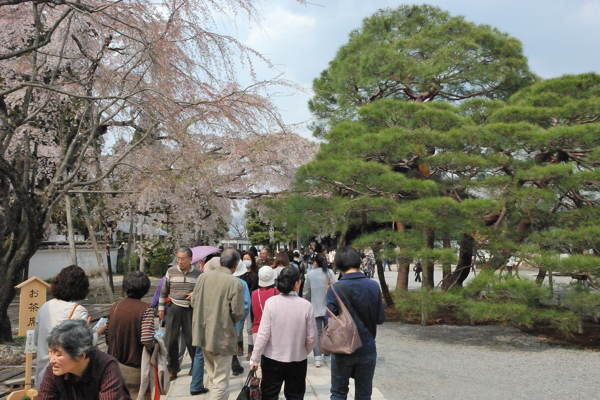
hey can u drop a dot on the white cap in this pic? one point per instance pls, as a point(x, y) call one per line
point(240, 269)
point(266, 276)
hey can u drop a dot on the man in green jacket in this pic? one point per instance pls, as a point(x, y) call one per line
point(218, 303)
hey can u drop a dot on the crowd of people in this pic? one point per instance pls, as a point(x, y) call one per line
point(279, 303)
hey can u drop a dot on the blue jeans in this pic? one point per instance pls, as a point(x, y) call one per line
point(197, 371)
point(320, 321)
point(361, 368)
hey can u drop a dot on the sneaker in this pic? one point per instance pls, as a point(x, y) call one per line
point(318, 364)
point(201, 391)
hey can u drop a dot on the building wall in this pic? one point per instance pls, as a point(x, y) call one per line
point(47, 263)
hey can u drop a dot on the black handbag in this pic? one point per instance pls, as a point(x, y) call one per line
point(251, 389)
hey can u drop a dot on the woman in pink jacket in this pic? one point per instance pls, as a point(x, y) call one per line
point(287, 334)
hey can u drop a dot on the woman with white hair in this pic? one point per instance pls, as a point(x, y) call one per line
point(77, 371)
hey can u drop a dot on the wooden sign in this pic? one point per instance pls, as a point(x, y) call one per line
point(33, 295)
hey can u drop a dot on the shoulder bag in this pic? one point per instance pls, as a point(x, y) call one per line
point(340, 335)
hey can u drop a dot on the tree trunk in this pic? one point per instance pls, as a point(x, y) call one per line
point(389, 302)
point(88, 222)
point(428, 281)
point(363, 221)
point(403, 266)
point(521, 234)
point(403, 274)
point(22, 245)
point(539, 279)
point(446, 267)
point(463, 267)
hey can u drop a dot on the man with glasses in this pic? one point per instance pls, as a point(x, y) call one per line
point(178, 287)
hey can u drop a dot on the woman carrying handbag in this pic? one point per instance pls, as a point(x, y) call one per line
point(286, 336)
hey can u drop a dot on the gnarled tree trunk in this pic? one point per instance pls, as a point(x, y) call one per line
point(463, 267)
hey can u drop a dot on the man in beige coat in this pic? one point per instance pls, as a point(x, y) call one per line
point(218, 302)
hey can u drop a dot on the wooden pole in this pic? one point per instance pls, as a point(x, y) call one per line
point(92, 232)
point(109, 264)
point(28, 365)
point(129, 244)
point(71, 234)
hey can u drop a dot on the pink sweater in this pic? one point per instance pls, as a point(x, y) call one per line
point(287, 330)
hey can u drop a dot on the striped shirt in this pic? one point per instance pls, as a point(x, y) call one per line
point(177, 286)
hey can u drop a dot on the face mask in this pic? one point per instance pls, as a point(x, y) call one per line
point(247, 263)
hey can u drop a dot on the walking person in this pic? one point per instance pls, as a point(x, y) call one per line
point(362, 298)
point(266, 289)
point(251, 279)
point(317, 282)
point(130, 328)
point(418, 268)
point(368, 266)
point(281, 261)
point(161, 325)
point(286, 336)
point(218, 303)
point(178, 286)
point(236, 367)
point(263, 259)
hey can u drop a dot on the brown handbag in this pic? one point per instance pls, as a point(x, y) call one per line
point(340, 335)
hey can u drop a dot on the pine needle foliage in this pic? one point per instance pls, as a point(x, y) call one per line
point(428, 165)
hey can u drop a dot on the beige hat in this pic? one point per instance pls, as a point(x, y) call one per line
point(212, 264)
point(240, 269)
point(266, 276)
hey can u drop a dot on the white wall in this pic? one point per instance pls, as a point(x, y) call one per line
point(47, 263)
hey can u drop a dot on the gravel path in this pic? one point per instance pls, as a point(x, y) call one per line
point(481, 362)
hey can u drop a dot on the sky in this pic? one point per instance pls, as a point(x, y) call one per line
point(559, 37)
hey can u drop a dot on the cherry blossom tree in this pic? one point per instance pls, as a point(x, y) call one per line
point(193, 187)
point(90, 87)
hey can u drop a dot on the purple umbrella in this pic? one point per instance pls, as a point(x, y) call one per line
point(200, 252)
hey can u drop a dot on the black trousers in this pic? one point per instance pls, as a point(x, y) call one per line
point(178, 318)
point(275, 373)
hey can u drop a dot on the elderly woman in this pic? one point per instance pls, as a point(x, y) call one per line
point(77, 371)
point(70, 286)
point(130, 328)
point(286, 335)
point(266, 289)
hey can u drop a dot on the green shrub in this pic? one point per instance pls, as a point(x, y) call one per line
point(582, 303)
point(425, 304)
point(510, 313)
point(496, 299)
point(498, 288)
point(565, 321)
point(158, 259)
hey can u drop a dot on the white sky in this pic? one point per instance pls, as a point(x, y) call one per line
point(559, 36)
